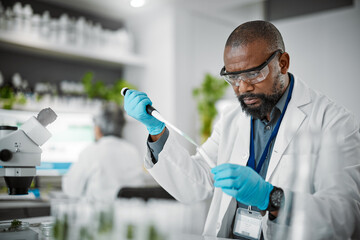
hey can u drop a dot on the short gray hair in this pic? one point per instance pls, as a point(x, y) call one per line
point(256, 30)
point(111, 120)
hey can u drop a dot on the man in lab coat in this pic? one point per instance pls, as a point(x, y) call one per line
point(107, 164)
point(287, 158)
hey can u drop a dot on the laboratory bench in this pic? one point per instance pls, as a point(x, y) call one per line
point(23, 208)
point(36, 213)
point(36, 231)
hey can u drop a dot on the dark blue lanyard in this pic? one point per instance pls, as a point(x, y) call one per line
point(251, 161)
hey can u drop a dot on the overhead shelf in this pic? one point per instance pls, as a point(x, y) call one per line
point(24, 42)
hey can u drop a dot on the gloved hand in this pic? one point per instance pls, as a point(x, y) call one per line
point(135, 105)
point(242, 183)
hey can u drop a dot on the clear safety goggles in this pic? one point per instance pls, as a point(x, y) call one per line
point(252, 75)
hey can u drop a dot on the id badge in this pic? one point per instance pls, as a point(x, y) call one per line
point(247, 224)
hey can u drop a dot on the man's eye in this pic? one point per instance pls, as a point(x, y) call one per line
point(251, 75)
point(233, 77)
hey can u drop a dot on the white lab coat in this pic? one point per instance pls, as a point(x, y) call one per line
point(103, 168)
point(332, 208)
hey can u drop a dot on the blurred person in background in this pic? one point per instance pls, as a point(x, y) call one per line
point(108, 164)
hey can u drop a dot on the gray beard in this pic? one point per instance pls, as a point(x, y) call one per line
point(268, 102)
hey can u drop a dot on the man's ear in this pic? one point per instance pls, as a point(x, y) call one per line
point(284, 62)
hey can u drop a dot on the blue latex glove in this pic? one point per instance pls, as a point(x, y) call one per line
point(135, 105)
point(243, 183)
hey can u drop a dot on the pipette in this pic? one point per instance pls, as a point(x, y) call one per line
point(152, 111)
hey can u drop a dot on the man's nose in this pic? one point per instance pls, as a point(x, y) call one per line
point(244, 86)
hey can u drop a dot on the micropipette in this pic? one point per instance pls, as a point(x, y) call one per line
point(152, 111)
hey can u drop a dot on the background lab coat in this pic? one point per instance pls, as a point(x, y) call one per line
point(103, 168)
point(331, 203)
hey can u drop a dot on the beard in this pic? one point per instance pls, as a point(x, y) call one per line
point(267, 102)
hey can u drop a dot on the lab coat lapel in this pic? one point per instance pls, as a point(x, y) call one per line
point(290, 124)
point(240, 155)
point(241, 147)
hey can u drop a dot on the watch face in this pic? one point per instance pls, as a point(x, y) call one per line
point(276, 198)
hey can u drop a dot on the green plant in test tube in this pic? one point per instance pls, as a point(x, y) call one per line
point(130, 232)
point(8, 97)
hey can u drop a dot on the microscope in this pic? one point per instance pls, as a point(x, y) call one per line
point(20, 151)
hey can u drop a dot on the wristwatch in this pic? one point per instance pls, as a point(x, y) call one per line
point(276, 199)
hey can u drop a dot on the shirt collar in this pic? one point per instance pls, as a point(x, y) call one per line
point(278, 108)
point(281, 103)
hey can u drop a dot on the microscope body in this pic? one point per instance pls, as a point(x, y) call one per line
point(20, 153)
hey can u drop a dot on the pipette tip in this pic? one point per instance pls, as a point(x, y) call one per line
point(123, 91)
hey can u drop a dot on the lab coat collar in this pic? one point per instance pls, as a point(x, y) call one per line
point(291, 122)
point(109, 138)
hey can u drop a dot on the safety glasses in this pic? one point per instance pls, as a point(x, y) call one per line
point(252, 75)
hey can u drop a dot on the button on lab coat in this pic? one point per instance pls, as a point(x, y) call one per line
point(103, 168)
point(328, 197)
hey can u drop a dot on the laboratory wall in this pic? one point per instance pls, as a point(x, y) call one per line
point(324, 52)
point(155, 40)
